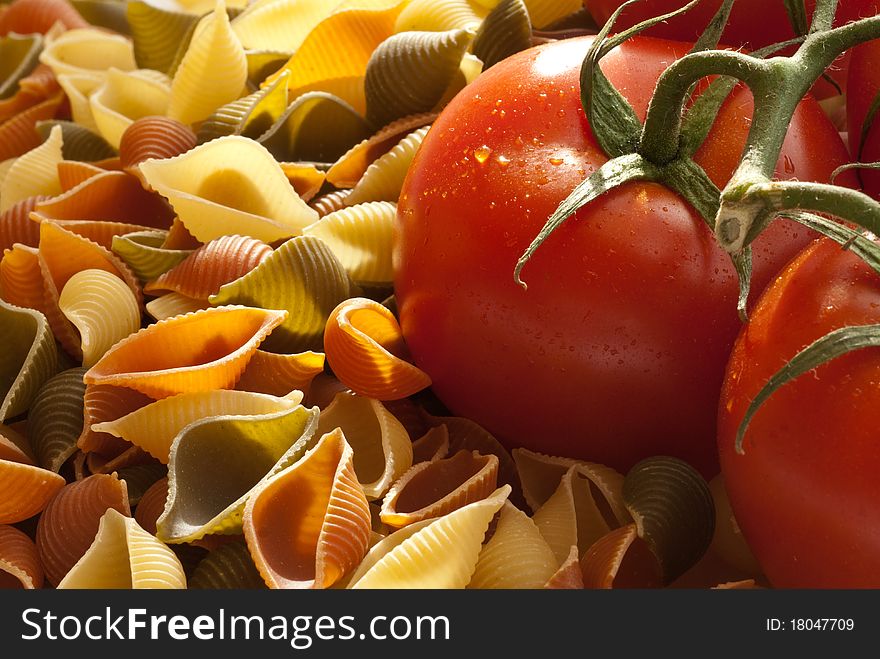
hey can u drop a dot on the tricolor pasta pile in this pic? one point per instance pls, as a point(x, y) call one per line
point(203, 380)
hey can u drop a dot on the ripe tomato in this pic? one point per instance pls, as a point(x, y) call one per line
point(806, 493)
point(617, 349)
point(864, 85)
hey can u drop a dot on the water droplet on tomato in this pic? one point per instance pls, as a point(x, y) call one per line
point(482, 153)
point(556, 161)
point(502, 160)
point(560, 113)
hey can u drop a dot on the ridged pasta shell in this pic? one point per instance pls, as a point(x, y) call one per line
point(174, 304)
point(109, 14)
point(383, 179)
point(34, 173)
point(70, 522)
point(366, 350)
point(125, 97)
point(179, 237)
point(77, 88)
point(216, 463)
point(15, 447)
point(72, 172)
point(28, 16)
point(102, 403)
point(569, 575)
point(19, 564)
point(434, 489)
point(310, 524)
point(262, 64)
point(433, 445)
point(434, 16)
point(382, 448)
point(229, 566)
point(305, 178)
point(506, 30)
point(516, 556)
point(410, 415)
point(330, 202)
point(56, 418)
point(361, 238)
point(546, 12)
point(19, 55)
point(355, 33)
point(271, 373)
point(16, 226)
point(157, 33)
point(154, 137)
point(213, 70)
point(88, 51)
point(140, 478)
point(125, 556)
point(316, 127)
point(201, 351)
point(435, 553)
point(409, 73)
point(29, 90)
point(231, 185)
point(152, 505)
point(280, 25)
point(79, 143)
point(154, 426)
point(25, 490)
point(302, 276)
point(142, 251)
point(29, 357)
point(620, 559)
point(20, 278)
point(218, 262)
point(17, 135)
point(250, 116)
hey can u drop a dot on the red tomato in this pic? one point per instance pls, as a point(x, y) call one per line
point(864, 85)
point(806, 493)
point(617, 349)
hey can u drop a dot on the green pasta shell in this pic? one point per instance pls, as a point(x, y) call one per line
point(230, 566)
point(302, 276)
point(505, 31)
point(79, 143)
point(263, 63)
point(250, 116)
point(29, 357)
point(139, 478)
point(673, 510)
point(158, 34)
point(409, 73)
point(142, 251)
point(19, 55)
point(111, 14)
point(55, 420)
point(317, 127)
point(215, 463)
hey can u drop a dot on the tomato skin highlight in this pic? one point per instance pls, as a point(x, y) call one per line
point(617, 349)
point(805, 492)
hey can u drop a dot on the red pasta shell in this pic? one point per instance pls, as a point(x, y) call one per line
point(29, 16)
point(152, 505)
point(19, 564)
point(16, 225)
point(18, 135)
point(103, 402)
point(154, 137)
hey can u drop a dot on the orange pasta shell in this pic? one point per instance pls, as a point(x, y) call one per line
point(19, 564)
point(25, 490)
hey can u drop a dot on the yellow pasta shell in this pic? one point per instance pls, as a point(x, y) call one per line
point(25, 490)
point(78, 87)
point(439, 16)
point(174, 304)
point(29, 357)
point(19, 564)
point(56, 418)
point(545, 12)
point(125, 97)
point(279, 25)
point(87, 51)
point(271, 373)
point(34, 173)
point(250, 116)
point(383, 179)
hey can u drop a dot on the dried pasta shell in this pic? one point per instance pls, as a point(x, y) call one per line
point(101, 232)
point(139, 478)
point(281, 25)
point(142, 251)
point(409, 73)
point(130, 457)
point(229, 566)
point(70, 522)
point(434, 489)
point(382, 449)
point(546, 12)
point(152, 505)
point(102, 308)
point(179, 237)
point(433, 445)
point(28, 91)
point(19, 55)
point(72, 172)
point(366, 350)
point(88, 51)
point(569, 575)
point(154, 137)
point(174, 304)
point(218, 262)
point(316, 127)
point(78, 87)
point(309, 525)
point(243, 452)
point(125, 556)
point(34, 173)
point(620, 559)
point(30, 16)
point(213, 70)
point(125, 97)
point(19, 564)
point(262, 64)
point(79, 143)
point(516, 556)
point(271, 373)
point(214, 190)
point(157, 33)
point(17, 135)
point(102, 403)
point(305, 178)
point(302, 276)
point(29, 357)
point(16, 226)
point(56, 418)
point(506, 30)
point(201, 351)
point(110, 14)
point(15, 447)
point(20, 278)
point(111, 196)
point(383, 179)
point(25, 490)
point(154, 426)
point(330, 202)
point(361, 238)
point(435, 553)
point(250, 116)
point(433, 16)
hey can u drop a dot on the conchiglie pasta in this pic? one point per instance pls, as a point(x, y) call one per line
point(250, 116)
point(103, 403)
point(77, 88)
point(79, 143)
point(34, 173)
point(157, 33)
point(229, 566)
point(279, 25)
point(21, 280)
point(569, 576)
point(272, 373)
point(383, 179)
point(29, 357)
point(440, 15)
point(88, 51)
point(142, 251)
point(506, 30)
point(125, 97)
point(19, 55)
point(17, 135)
point(25, 490)
point(56, 418)
point(545, 12)
point(154, 137)
point(19, 564)
point(174, 304)
point(27, 16)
